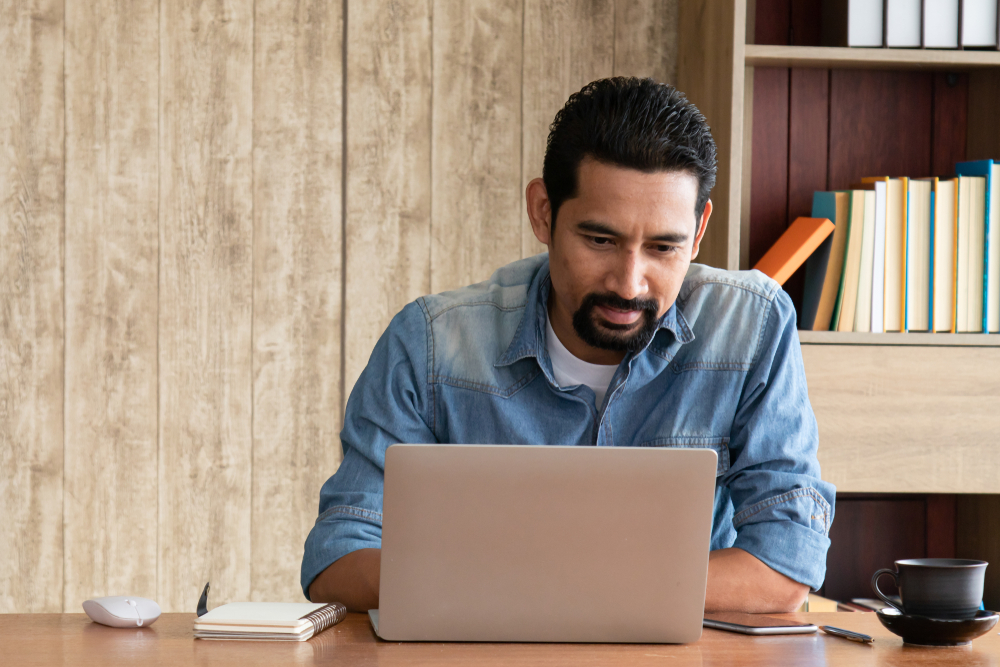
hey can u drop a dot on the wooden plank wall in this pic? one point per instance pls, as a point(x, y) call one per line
point(208, 215)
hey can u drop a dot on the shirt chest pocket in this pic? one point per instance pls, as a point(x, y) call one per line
point(719, 444)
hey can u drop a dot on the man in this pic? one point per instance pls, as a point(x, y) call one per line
point(612, 339)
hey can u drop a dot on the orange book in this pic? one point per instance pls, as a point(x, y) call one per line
point(794, 247)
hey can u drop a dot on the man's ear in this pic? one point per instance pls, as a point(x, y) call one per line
point(539, 210)
point(702, 225)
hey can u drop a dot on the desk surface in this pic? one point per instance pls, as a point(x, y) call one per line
point(72, 639)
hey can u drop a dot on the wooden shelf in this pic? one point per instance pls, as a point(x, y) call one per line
point(761, 55)
point(921, 339)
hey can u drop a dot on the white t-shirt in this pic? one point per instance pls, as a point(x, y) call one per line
point(570, 370)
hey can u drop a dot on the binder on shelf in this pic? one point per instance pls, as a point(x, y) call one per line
point(918, 255)
point(825, 265)
point(978, 23)
point(794, 247)
point(902, 23)
point(940, 24)
point(990, 170)
point(855, 23)
point(943, 256)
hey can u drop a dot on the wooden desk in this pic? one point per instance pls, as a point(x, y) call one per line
point(72, 639)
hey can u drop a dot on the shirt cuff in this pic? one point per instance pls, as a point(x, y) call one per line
point(794, 550)
point(338, 532)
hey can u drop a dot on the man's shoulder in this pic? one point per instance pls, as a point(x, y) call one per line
point(738, 284)
point(506, 290)
point(728, 311)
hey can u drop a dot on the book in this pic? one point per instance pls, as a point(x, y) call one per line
point(943, 252)
point(918, 256)
point(878, 261)
point(825, 265)
point(794, 247)
point(970, 242)
point(895, 252)
point(991, 292)
point(268, 621)
point(863, 311)
point(852, 23)
point(902, 23)
point(979, 23)
point(940, 24)
point(847, 300)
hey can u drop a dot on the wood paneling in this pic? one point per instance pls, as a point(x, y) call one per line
point(31, 305)
point(951, 107)
point(978, 538)
point(769, 171)
point(388, 170)
point(868, 534)
point(476, 173)
point(908, 418)
point(205, 303)
point(567, 45)
point(111, 299)
point(983, 141)
point(863, 104)
point(297, 156)
point(645, 39)
point(772, 21)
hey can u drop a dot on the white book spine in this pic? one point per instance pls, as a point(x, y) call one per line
point(979, 23)
point(993, 246)
point(878, 261)
point(902, 27)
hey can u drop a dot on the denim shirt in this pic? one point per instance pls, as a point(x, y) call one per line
point(723, 371)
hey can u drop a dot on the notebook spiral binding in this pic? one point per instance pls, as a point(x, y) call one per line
point(326, 616)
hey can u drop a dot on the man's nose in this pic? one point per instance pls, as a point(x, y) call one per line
point(628, 279)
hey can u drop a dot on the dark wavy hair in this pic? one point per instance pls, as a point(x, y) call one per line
point(635, 123)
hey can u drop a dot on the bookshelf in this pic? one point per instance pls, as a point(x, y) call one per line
point(906, 420)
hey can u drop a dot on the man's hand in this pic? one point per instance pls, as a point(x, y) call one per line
point(738, 581)
point(352, 581)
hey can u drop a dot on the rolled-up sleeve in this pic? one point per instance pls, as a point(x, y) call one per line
point(389, 404)
point(782, 508)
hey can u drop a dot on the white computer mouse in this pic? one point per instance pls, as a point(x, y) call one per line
point(122, 611)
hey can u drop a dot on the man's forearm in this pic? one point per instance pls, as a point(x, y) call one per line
point(352, 581)
point(738, 581)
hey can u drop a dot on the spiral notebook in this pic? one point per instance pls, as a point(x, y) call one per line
point(268, 621)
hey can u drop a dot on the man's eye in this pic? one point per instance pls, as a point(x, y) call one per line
point(600, 240)
point(666, 248)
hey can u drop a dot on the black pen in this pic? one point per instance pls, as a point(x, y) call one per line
point(847, 634)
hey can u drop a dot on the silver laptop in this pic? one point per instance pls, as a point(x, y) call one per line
point(544, 543)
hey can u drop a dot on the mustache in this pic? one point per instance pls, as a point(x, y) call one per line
point(612, 300)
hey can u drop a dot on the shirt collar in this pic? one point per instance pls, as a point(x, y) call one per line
point(529, 339)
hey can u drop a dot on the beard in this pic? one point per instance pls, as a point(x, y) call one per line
point(597, 332)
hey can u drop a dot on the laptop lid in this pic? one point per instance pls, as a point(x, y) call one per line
point(545, 543)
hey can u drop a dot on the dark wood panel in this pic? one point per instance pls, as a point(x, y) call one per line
point(869, 533)
point(951, 112)
point(941, 525)
point(808, 128)
point(880, 124)
point(769, 170)
point(978, 536)
point(772, 22)
point(806, 23)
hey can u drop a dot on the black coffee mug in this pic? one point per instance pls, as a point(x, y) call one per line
point(936, 587)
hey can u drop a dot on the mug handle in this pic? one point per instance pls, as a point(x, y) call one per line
point(895, 578)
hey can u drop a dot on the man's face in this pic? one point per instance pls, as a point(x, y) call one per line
point(618, 255)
